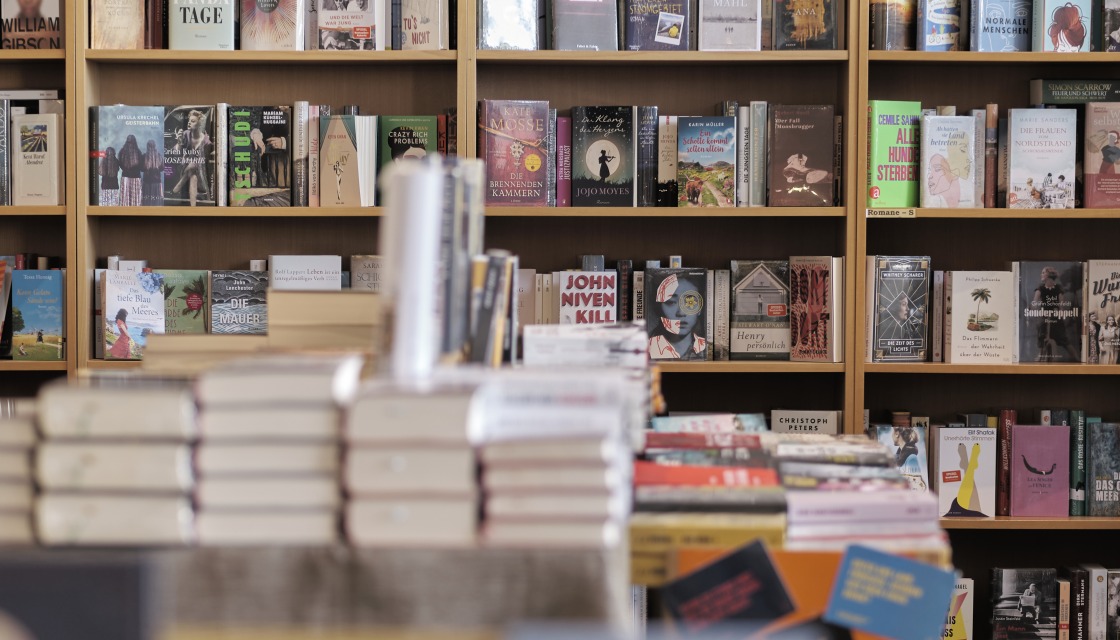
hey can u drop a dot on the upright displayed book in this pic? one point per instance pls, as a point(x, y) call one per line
point(900, 308)
point(508, 24)
point(186, 300)
point(424, 25)
point(910, 447)
point(983, 319)
point(351, 26)
point(1102, 486)
point(965, 471)
point(816, 309)
point(340, 173)
point(760, 326)
point(962, 602)
point(805, 24)
point(1000, 25)
point(38, 150)
point(892, 164)
point(189, 161)
point(584, 25)
point(274, 25)
point(1102, 312)
point(260, 156)
point(588, 297)
point(939, 25)
point(116, 24)
point(1023, 603)
point(604, 156)
point(948, 162)
point(513, 142)
point(706, 161)
point(662, 25)
point(667, 190)
point(1062, 26)
point(1102, 155)
point(1042, 157)
point(1039, 470)
point(674, 313)
point(133, 308)
point(404, 138)
point(730, 26)
point(119, 139)
point(38, 321)
point(1049, 310)
point(204, 25)
point(366, 273)
point(801, 152)
point(31, 25)
point(892, 24)
point(238, 302)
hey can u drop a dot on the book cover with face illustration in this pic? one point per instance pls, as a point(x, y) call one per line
point(948, 173)
point(901, 308)
point(674, 312)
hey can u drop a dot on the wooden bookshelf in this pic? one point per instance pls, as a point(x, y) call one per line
point(751, 367)
point(666, 212)
point(1013, 214)
point(1026, 522)
point(1025, 368)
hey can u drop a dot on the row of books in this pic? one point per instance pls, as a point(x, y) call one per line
point(679, 25)
point(633, 156)
point(32, 121)
point(1075, 601)
point(222, 155)
point(284, 25)
point(1062, 26)
point(32, 310)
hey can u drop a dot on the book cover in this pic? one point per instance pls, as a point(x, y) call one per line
point(588, 297)
point(273, 25)
point(966, 471)
point(122, 140)
point(513, 143)
point(1102, 492)
point(31, 25)
point(815, 286)
point(424, 25)
point(646, 181)
point(939, 25)
point(338, 161)
point(189, 170)
point(116, 24)
point(305, 273)
point(730, 25)
point(706, 161)
point(1102, 155)
point(900, 308)
point(185, 297)
point(1001, 25)
point(892, 164)
point(584, 25)
point(760, 322)
point(508, 24)
point(667, 161)
point(1067, 92)
point(351, 26)
point(204, 25)
point(674, 313)
point(133, 309)
point(1050, 311)
point(604, 156)
point(892, 24)
point(911, 454)
point(958, 624)
point(365, 273)
point(1039, 470)
point(948, 162)
point(238, 302)
point(1024, 603)
point(661, 25)
point(1064, 26)
point(563, 161)
point(804, 24)
point(38, 150)
point(1042, 154)
point(404, 138)
point(38, 331)
point(1102, 312)
point(983, 326)
point(260, 156)
point(800, 147)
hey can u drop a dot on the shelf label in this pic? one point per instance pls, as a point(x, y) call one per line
point(892, 213)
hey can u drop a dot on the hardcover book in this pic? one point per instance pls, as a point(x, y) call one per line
point(1049, 310)
point(1067, 92)
point(260, 156)
point(730, 25)
point(966, 471)
point(1001, 25)
point(667, 161)
point(760, 326)
point(1102, 490)
point(351, 26)
point(646, 179)
point(204, 25)
point(584, 25)
point(305, 273)
point(588, 297)
point(238, 302)
point(892, 24)
point(365, 273)
point(674, 313)
point(133, 309)
point(273, 25)
point(513, 142)
point(804, 24)
point(508, 24)
point(189, 171)
point(339, 182)
point(1102, 312)
point(185, 298)
point(424, 25)
point(1039, 470)
point(706, 161)
point(604, 156)
point(122, 138)
point(404, 138)
point(1102, 155)
point(892, 165)
point(1064, 26)
point(1042, 155)
point(983, 324)
point(816, 285)
point(939, 25)
point(1024, 603)
point(37, 315)
point(948, 162)
point(910, 448)
point(800, 144)
point(900, 308)
point(116, 24)
point(38, 150)
point(661, 25)
point(31, 25)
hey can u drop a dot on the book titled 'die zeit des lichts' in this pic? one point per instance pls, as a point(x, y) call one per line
point(706, 161)
point(900, 310)
point(513, 142)
point(892, 164)
point(604, 156)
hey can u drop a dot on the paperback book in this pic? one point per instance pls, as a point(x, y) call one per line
point(1042, 156)
point(185, 296)
point(120, 136)
point(260, 160)
point(966, 471)
point(706, 161)
point(37, 315)
point(204, 25)
point(1001, 25)
point(31, 25)
point(38, 149)
point(1049, 310)
point(892, 165)
point(189, 171)
point(801, 153)
point(238, 302)
point(274, 25)
point(513, 142)
point(1102, 312)
point(604, 156)
point(1039, 470)
point(901, 307)
point(1102, 155)
point(910, 448)
point(727, 25)
point(661, 25)
point(133, 309)
point(804, 24)
point(760, 326)
point(948, 154)
point(983, 321)
point(674, 313)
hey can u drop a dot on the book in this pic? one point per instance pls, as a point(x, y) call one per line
point(38, 321)
point(409, 469)
point(706, 161)
point(604, 156)
point(205, 25)
point(305, 273)
point(404, 138)
point(99, 520)
point(133, 308)
point(433, 522)
point(1102, 312)
point(189, 162)
point(805, 24)
point(1024, 603)
point(588, 297)
point(508, 24)
point(351, 26)
point(274, 25)
point(663, 25)
point(133, 467)
point(366, 273)
point(646, 174)
point(986, 335)
point(119, 137)
point(38, 149)
point(892, 24)
point(939, 25)
point(1039, 470)
point(965, 471)
point(760, 322)
point(1001, 25)
point(911, 454)
point(238, 302)
point(512, 136)
point(667, 161)
point(31, 25)
point(1050, 310)
point(186, 297)
point(892, 165)
point(294, 527)
point(424, 25)
point(800, 149)
point(116, 24)
point(584, 25)
point(674, 313)
point(816, 285)
point(899, 308)
point(730, 26)
point(1077, 457)
point(1101, 155)
point(948, 162)
point(795, 421)
point(958, 624)
point(563, 161)
point(340, 168)
point(1064, 26)
point(260, 156)
point(1072, 92)
point(1064, 602)
point(1042, 146)
point(1102, 489)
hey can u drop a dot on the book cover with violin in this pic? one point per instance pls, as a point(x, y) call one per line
point(604, 156)
point(513, 142)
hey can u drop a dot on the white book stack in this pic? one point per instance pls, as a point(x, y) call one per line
point(410, 470)
point(17, 439)
point(268, 459)
point(892, 521)
point(114, 464)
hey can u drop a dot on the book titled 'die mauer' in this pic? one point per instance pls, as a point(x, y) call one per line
point(238, 302)
point(604, 156)
point(513, 142)
point(31, 25)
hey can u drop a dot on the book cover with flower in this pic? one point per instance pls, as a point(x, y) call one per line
point(185, 294)
point(133, 309)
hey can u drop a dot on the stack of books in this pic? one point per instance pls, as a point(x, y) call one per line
point(114, 467)
point(269, 458)
point(17, 439)
point(895, 521)
point(346, 319)
point(191, 354)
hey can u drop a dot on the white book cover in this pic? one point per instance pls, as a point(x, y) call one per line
point(1102, 312)
point(797, 421)
point(1063, 26)
point(1042, 158)
point(37, 152)
point(202, 25)
point(273, 25)
point(984, 319)
point(424, 24)
point(948, 162)
point(351, 25)
point(305, 273)
point(133, 308)
point(743, 157)
point(365, 273)
point(958, 624)
point(730, 25)
point(588, 297)
point(966, 471)
point(142, 468)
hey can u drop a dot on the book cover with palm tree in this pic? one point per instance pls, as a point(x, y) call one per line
point(185, 296)
point(982, 327)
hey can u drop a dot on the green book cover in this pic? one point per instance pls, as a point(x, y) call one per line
point(894, 141)
point(184, 300)
point(404, 137)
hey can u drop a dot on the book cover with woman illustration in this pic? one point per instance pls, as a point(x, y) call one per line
point(948, 150)
point(37, 308)
point(1042, 158)
point(911, 457)
point(1102, 155)
point(1101, 329)
point(1062, 26)
point(133, 309)
point(1050, 310)
point(901, 308)
point(119, 149)
point(674, 313)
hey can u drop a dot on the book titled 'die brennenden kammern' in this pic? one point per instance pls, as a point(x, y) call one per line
point(513, 142)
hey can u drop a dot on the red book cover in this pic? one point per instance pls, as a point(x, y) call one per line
point(441, 134)
point(1040, 470)
point(1102, 155)
point(1007, 418)
point(666, 440)
point(563, 161)
point(513, 142)
point(651, 474)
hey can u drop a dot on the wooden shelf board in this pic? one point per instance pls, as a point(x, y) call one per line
point(59, 210)
point(750, 367)
point(1028, 522)
point(665, 212)
point(24, 55)
point(657, 57)
point(993, 369)
point(28, 365)
point(113, 365)
point(1012, 57)
point(237, 212)
point(164, 56)
point(1017, 214)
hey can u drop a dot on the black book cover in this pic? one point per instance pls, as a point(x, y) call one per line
point(1078, 601)
point(260, 156)
point(189, 177)
point(1024, 603)
point(805, 24)
point(657, 25)
point(603, 156)
point(625, 270)
point(801, 139)
point(901, 308)
point(675, 314)
point(1050, 311)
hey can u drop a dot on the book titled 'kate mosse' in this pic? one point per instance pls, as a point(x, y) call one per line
point(513, 142)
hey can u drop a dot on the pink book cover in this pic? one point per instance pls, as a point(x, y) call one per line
point(513, 140)
point(1039, 470)
point(563, 161)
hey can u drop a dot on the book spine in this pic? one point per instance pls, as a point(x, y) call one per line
point(94, 153)
point(1097, 607)
point(1078, 602)
point(947, 318)
point(6, 158)
point(1063, 609)
point(869, 309)
point(550, 158)
point(709, 317)
point(1039, 31)
point(1007, 419)
point(221, 154)
point(301, 144)
point(313, 155)
point(395, 20)
point(625, 278)
point(991, 154)
point(979, 156)
point(1002, 166)
point(837, 159)
point(743, 168)
point(153, 27)
point(1077, 473)
point(667, 161)
point(938, 339)
point(758, 154)
point(639, 295)
point(647, 156)
point(563, 162)
point(722, 336)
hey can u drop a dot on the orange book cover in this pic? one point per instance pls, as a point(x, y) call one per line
point(651, 473)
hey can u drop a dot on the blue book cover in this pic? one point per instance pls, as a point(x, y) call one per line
point(1001, 25)
point(939, 25)
point(37, 310)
